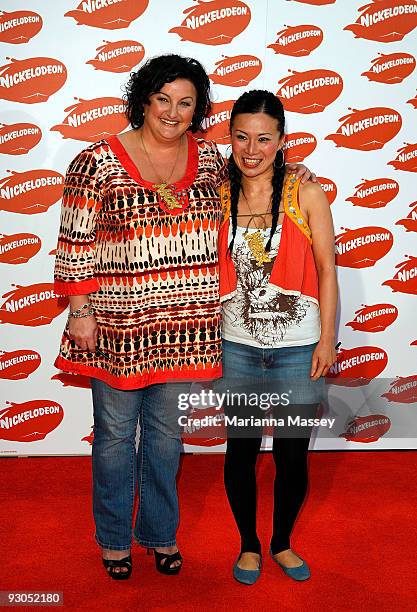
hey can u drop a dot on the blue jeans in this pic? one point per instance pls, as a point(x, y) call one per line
point(278, 369)
point(118, 469)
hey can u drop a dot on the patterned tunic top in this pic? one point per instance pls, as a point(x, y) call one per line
point(151, 272)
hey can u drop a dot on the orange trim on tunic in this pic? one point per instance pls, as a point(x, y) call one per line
point(127, 383)
point(81, 288)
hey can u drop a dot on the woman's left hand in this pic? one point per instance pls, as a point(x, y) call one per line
point(323, 357)
point(302, 172)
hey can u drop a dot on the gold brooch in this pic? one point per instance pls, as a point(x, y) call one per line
point(167, 195)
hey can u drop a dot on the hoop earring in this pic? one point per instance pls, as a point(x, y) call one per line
point(282, 159)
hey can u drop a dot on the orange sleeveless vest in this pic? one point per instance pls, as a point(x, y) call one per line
point(294, 271)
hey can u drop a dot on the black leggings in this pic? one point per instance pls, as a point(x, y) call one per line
point(290, 486)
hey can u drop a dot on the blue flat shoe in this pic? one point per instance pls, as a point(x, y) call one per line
point(246, 576)
point(296, 573)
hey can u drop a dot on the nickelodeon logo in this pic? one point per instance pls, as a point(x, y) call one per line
point(389, 12)
point(364, 426)
point(12, 361)
point(19, 138)
point(363, 247)
point(92, 120)
point(98, 112)
point(197, 21)
point(299, 140)
point(298, 146)
point(361, 241)
point(363, 124)
point(357, 366)
point(108, 14)
point(26, 186)
point(18, 365)
point(363, 193)
point(367, 429)
point(391, 69)
point(17, 419)
point(351, 362)
point(385, 20)
point(19, 27)
point(404, 387)
point(18, 248)
point(236, 71)
point(327, 188)
point(215, 22)
point(403, 390)
point(406, 159)
point(310, 91)
point(364, 318)
point(368, 129)
point(90, 6)
point(119, 56)
point(374, 318)
point(406, 275)
point(223, 70)
point(30, 421)
point(298, 41)
point(32, 305)
point(32, 80)
point(28, 300)
point(393, 63)
point(30, 73)
point(374, 194)
point(405, 280)
point(30, 192)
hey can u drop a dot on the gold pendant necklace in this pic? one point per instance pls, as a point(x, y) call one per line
point(162, 188)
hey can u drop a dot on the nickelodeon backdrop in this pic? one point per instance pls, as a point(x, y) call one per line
point(346, 74)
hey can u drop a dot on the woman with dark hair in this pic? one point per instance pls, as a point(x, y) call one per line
point(137, 256)
point(279, 293)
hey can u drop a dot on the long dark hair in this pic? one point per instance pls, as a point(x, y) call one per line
point(257, 101)
point(153, 75)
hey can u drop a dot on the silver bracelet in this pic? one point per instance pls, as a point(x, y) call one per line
point(83, 311)
point(80, 315)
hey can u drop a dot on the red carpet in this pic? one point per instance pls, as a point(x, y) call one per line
point(358, 531)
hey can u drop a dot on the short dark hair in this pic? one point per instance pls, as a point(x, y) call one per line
point(152, 76)
point(259, 101)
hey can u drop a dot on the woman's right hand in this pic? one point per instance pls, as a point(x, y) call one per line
point(84, 332)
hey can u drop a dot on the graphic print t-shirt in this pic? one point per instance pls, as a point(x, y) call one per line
point(260, 315)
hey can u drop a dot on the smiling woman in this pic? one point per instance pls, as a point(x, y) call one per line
point(143, 287)
point(278, 289)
